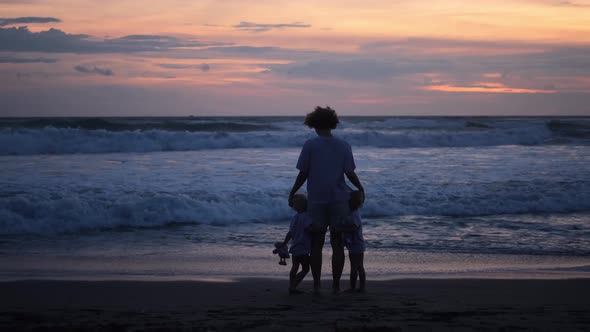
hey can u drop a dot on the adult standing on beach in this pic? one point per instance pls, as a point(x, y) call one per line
point(323, 162)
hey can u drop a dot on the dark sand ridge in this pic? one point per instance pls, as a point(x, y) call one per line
point(263, 305)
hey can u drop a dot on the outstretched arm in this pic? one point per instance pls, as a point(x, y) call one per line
point(301, 178)
point(287, 238)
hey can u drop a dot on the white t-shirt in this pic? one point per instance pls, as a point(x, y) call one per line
point(325, 160)
point(300, 237)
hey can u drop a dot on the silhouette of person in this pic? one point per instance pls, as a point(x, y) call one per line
point(323, 163)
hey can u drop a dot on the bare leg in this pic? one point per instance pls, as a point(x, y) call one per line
point(293, 274)
point(337, 259)
point(304, 269)
point(361, 269)
point(317, 244)
point(354, 269)
point(338, 212)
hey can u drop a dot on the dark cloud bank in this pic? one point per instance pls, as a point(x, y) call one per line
point(361, 69)
point(11, 59)
point(94, 70)
point(27, 20)
point(202, 67)
point(21, 39)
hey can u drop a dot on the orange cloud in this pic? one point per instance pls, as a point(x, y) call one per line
point(485, 88)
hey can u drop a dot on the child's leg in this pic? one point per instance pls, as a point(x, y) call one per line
point(354, 269)
point(305, 261)
point(293, 273)
point(361, 269)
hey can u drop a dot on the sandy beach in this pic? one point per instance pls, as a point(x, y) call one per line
point(264, 305)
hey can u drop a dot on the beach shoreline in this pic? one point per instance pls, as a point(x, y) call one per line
point(263, 304)
point(94, 260)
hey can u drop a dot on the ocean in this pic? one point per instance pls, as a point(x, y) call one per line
point(201, 197)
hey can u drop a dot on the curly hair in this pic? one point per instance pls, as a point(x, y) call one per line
point(322, 118)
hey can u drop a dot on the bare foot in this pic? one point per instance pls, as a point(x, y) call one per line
point(295, 292)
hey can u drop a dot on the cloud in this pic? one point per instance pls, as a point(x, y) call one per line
point(260, 27)
point(151, 74)
point(244, 49)
point(570, 4)
point(562, 60)
point(37, 75)
point(10, 59)
point(153, 40)
point(486, 88)
point(94, 70)
point(21, 39)
point(18, 2)
point(447, 43)
point(429, 81)
point(27, 20)
point(264, 52)
point(360, 69)
point(202, 67)
point(175, 66)
point(21, 76)
point(515, 61)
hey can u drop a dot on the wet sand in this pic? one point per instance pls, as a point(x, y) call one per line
point(264, 305)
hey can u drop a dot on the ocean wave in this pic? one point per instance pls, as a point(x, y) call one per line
point(569, 128)
point(69, 140)
point(138, 124)
point(55, 213)
point(106, 135)
point(51, 212)
point(52, 140)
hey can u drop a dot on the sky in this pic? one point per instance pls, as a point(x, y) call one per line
point(279, 57)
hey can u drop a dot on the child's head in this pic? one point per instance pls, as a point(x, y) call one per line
point(322, 118)
point(299, 203)
point(357, 198)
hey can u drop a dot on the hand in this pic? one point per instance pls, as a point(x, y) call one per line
point(291, 199)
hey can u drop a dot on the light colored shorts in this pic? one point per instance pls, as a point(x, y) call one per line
point(328, 214)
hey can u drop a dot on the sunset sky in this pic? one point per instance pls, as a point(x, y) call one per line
point(277, 57)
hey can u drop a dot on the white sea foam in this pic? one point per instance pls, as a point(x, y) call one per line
point(71, 193)
point(43, 213)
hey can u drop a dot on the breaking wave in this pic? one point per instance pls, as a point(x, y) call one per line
point(67, 136)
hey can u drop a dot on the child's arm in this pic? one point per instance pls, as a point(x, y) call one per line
point(287, 238)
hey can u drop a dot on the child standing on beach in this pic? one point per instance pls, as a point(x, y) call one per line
point(354, 242)
point(299, 235)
